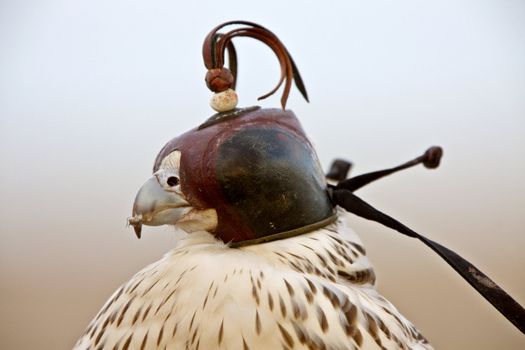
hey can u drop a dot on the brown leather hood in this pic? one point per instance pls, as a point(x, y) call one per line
point(257, 169)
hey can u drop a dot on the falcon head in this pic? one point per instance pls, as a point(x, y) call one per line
point(243, 175)
point(160, 201)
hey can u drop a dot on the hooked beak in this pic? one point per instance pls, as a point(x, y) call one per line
point(154, 206)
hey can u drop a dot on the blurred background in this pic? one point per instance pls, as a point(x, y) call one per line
point(91, 90)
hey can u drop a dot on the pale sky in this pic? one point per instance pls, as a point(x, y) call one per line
point(91, 90)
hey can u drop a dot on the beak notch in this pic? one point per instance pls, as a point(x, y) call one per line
point(136, 222)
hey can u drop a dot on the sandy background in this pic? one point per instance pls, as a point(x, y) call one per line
point(91, 90)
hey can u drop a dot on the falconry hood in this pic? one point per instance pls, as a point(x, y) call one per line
point(250, 175)
point(254, 166)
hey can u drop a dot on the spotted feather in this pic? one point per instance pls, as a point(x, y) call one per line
point(315, 291)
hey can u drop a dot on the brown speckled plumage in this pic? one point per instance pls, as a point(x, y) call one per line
point(314, 291)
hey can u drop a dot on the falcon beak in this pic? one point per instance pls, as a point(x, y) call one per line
point(154, 206)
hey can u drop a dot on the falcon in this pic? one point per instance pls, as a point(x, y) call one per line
point(267, 260)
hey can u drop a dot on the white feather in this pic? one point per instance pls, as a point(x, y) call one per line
point(311, 291)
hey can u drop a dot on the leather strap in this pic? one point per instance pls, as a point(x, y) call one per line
point(342, 195)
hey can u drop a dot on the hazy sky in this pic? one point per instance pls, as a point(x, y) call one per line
point(91, 90)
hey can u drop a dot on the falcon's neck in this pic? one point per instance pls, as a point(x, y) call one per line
point(333, 252)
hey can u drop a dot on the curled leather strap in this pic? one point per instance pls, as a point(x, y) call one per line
point(342, 195)
point(216, 44)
